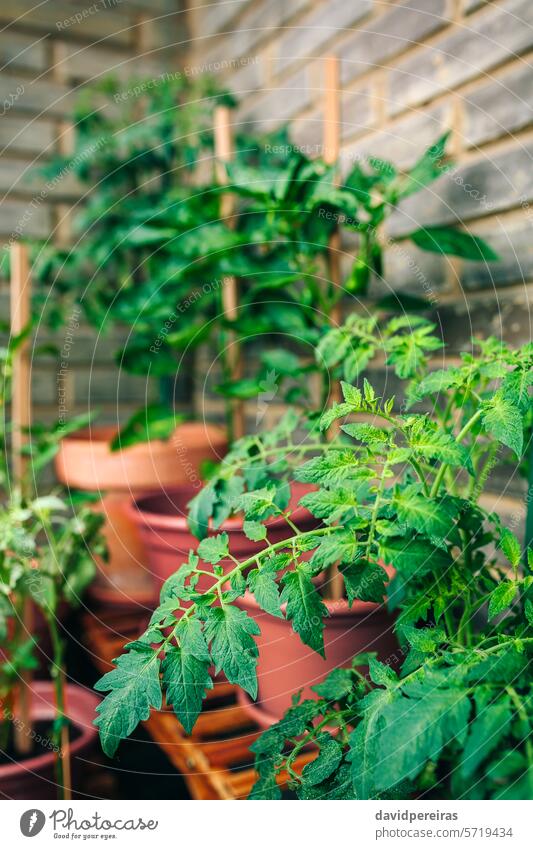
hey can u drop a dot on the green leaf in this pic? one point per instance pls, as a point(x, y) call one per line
point(135, 688)
point(200, 511)
point(510, 547)
point(332, 348)
point(352, 395)
point(504, 421)
point(434, 383)
point(364, 581)
point(330, 469)
point(427, 724)
point(528, 608)
point(448, 240)
point(357, 360)
point(305, 608)
point(230, 632)
point(381, 674)
point(262, 583)
point(428, 168)
point(486, 731)
point(254, 530)
point(185, 680)
point(337, 685)
point(337, 411)
point(329, 758)
point(413, 557)
point(214, 549)
point(502, 597)
point(366, 433)
point(341, 547)
point(433, 517)
point(426, 441)
point(330, 505)
point(425, 640)
point(156, 421)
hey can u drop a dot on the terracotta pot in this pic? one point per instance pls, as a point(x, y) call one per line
point(162, 521)
point(85, 461)
point(286, 665)
point(34, 778)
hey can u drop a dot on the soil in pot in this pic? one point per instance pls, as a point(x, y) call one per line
point(34, 777)
point(85, 461)
point(286, 665)
point(162, 522)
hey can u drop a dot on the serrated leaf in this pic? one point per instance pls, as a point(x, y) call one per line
point(329, 758)
point(424, 640)
point(185, 679)
point(503, 420)
point(189, 633)
point(427, 725)
point(351, 394)
point(337, 685)
point(528, 609)
point(305, 608)
point(330, 505)
point(135, 689)
point(502, 597)
point(214, 549)
point(381, 674)
point(486, 732)
point(332, 348)
point(366, 433)
point(413, 557)
point(434, 383)
point(510, 547)
point(254, 530)
point(364, 581)
point(341, 547)
point(331, 469)
point(433, 517)
point(431, 444)
point(262, 583)
point(338, 411)
point(230, 633)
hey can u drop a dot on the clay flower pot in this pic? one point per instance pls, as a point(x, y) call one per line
point(85, 461)
point(34, 778)
point(286, 665)
point(162, 522)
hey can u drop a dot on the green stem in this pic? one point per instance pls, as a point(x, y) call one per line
point(375, 511)
point(240, 567)
point(59, 691)
point(460, 436)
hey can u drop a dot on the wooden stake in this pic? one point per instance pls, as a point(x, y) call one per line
point(332, 126)
point(20, 294)
point(230, 301)
point(331, 139)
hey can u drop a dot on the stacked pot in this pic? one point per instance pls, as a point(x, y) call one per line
point(86, 462)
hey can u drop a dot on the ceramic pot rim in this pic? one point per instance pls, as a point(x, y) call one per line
point(162, 521)
point(88, 733)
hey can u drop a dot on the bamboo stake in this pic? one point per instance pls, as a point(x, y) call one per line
point(230, 302)
point(20, 291)
point(331, 140)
